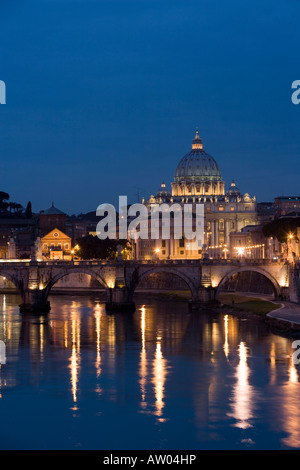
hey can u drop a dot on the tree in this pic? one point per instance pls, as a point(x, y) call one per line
point(12, 206)
point(18, 207)
point(28, 211)
point(282, 228)
point(4, 197)
point(91, 247)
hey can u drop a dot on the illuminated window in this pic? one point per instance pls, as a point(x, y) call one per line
point(232, 209)
point(221, 208)
point(66, 246)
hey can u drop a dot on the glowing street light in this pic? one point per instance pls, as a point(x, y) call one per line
point(290, 237)
point(241, 251)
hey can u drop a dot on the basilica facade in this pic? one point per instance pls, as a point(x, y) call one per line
point(198, 180)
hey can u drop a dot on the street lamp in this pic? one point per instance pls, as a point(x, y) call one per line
point(290, 237)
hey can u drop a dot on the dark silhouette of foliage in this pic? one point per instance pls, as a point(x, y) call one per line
point(28, 211)
point(4, 201)
point(282, 228)
point(91, 247)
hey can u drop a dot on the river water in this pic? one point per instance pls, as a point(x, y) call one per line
point(162, 378)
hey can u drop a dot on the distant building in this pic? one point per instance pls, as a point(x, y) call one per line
point(52, 218)
point(238, 245)
point(22, 230)
point(251, 243)
point(56, 245)
point(76, 229)
point(285, 204)
point(265, 211)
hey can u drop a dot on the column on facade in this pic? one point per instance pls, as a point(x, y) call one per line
point(212, 228)
point(227, 231)
point(216, 232)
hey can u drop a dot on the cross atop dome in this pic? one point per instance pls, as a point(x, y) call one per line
point(197, 142)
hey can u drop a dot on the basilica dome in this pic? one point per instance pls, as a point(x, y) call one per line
point(197, 166)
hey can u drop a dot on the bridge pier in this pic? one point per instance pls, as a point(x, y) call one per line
point(120, 299)
point(34, 301)
point(206, 297)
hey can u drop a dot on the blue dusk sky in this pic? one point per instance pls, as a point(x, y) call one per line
point(104, 96)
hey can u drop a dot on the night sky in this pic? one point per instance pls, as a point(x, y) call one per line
point(104, 96)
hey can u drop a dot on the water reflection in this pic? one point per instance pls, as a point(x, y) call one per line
point(192, 370)
point(243, 393)
point(290, 410)
point(158, 364)
point(98, 342)
point(226, 345)
point(159, 378)
point(143, 359)
point(75, 356)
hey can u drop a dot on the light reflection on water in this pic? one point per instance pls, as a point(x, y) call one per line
point(243, 395)
point(161, 378)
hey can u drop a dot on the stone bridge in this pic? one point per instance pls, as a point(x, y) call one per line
point(120, 279)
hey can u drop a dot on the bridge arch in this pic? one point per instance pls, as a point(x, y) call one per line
point(12, 279)
point(141, 274)
point(66, 272)
point(275, 285)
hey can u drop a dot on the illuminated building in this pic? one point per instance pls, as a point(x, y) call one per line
point(285, 204)
point(198, 180)
point(56, 245)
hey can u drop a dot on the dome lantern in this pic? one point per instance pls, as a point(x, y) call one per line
point(197, 166)
point(197, 142)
